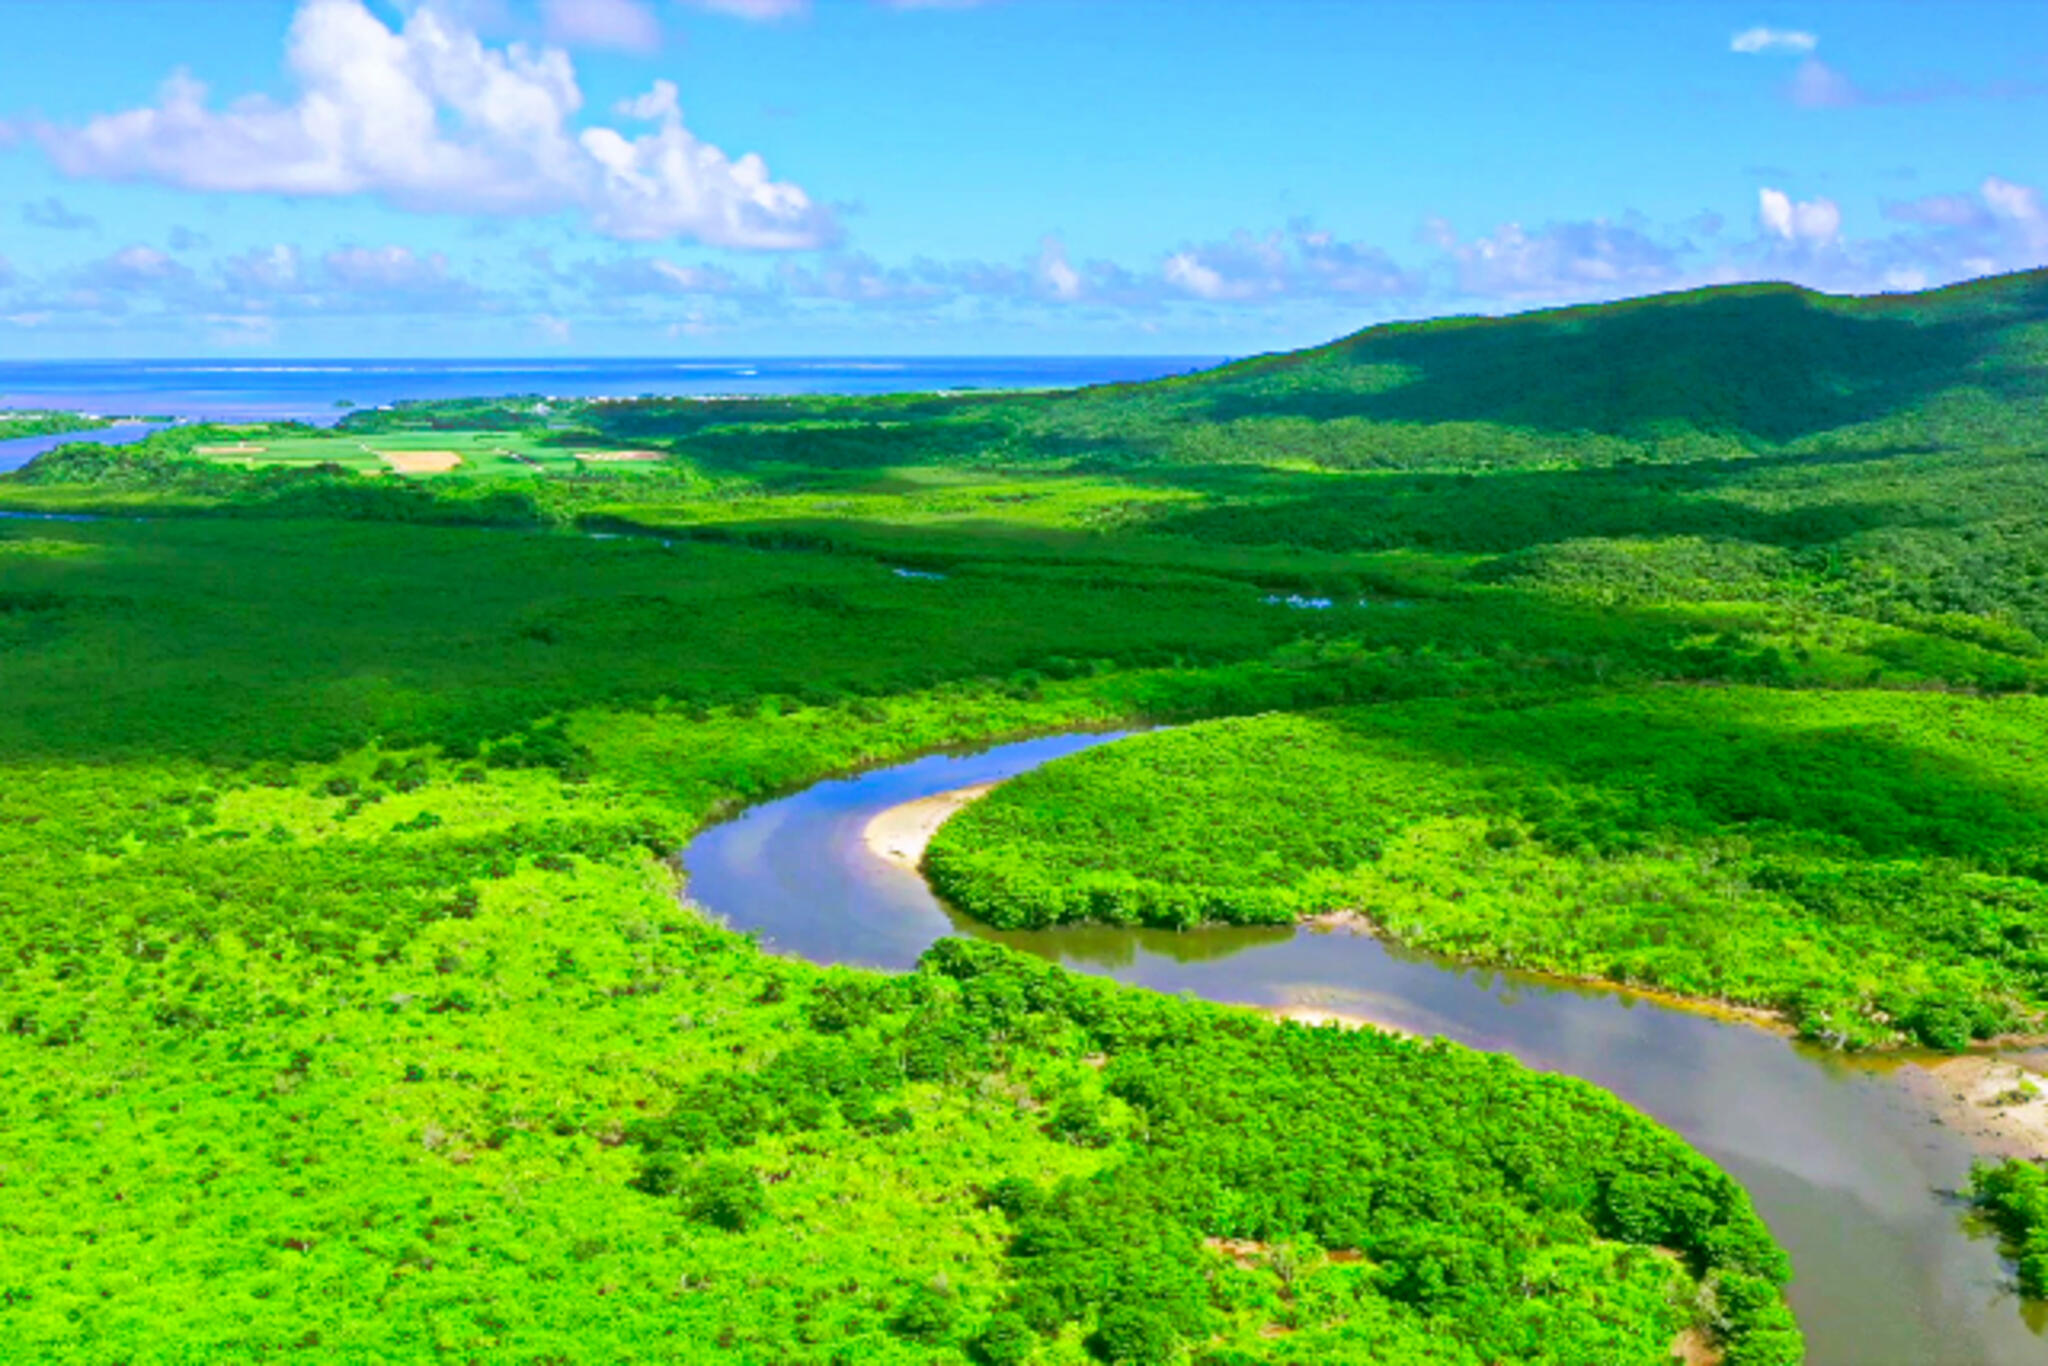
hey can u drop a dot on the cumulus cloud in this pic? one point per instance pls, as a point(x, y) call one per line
point(627, 277)
point(1559, 261)
point(857, 278)
point(1303, 261)
point(135, 266)
point(2016, 204)
point(54, 213)
point(625, 25)
point(429, 118)
point(267, 270)
point(1811, 221)
point(1054, 273)
point(387, 270)
point(282, 280)
point(1762, 39)
point(1187, 272)
point(2004, 226)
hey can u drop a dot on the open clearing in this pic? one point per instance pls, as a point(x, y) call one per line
point(468, 452)
point(422, 462)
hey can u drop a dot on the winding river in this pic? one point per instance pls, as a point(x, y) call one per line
point(1846, 1161)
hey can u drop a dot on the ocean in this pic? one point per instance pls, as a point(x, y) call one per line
point(315, 391)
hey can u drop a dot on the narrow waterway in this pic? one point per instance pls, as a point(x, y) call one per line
point(20, 450)
point(1851, 1170)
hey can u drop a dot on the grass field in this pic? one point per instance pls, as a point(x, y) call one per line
point(482, 454)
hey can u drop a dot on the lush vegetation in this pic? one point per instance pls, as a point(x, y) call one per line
point(2014, 1194)
point(19, 422)
point(1869, 863)
point(348, 1007)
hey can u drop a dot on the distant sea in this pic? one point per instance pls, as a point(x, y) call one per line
point(314, 390)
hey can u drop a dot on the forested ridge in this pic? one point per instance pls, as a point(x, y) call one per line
point(15, 423)
point(349, 1007)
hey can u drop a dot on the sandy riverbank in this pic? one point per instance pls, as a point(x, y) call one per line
point(1979, 1096)
point(901, 834)
point(1985, 1099)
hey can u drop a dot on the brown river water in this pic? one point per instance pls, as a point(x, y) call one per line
point(1848, 1164)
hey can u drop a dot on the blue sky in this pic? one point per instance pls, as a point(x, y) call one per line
point(782, 177)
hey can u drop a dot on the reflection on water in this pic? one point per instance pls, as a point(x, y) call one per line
point(1845, 1165)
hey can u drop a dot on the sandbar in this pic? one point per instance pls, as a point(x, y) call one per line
point(901, 834)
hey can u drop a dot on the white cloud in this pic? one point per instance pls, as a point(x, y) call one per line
point(552, 328)
point(2000, 206)
point(267, 270)
point(1773, 40)
point(1185, 271)
point(385, 269)
point(1303, 262)
point(429, 118)
point(7, 276)
point(1815, 222)
point(857, 278)
point(1595, 258)
point(1055, 274)
point(137, 266)
point(1816, 85)
point(625, 25)
point(627, 277)
point(2016, 204)
point(283, 280)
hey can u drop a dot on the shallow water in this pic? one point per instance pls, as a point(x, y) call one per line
point(323, 391)
point(22, 449)
point(1850, 1171)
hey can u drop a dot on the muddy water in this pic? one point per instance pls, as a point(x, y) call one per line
point(1852, 1173)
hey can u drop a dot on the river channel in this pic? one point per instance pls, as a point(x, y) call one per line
point(1847, 1164)
point(20, 450)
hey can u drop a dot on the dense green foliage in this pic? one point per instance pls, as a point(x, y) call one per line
point(1473, 1184)
point(25, 422)
point(2014, 1193)
point(1872, 864)
point(348, 1007)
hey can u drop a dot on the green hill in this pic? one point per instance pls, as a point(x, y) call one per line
point(1731, 370)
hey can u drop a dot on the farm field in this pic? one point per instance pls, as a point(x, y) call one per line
point(476, 454)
